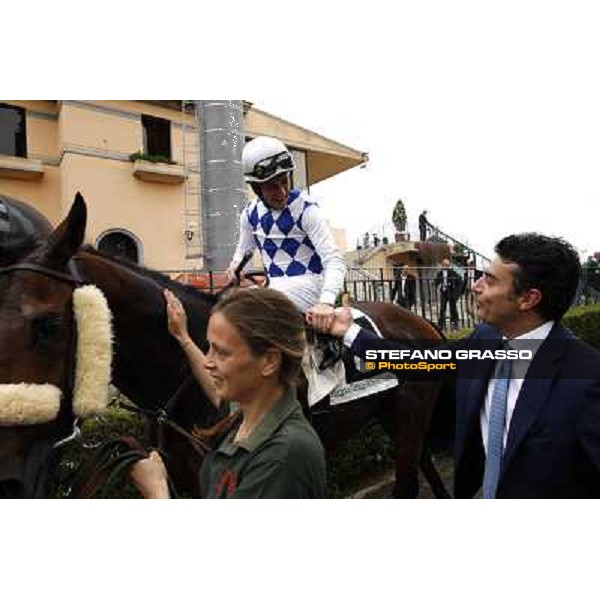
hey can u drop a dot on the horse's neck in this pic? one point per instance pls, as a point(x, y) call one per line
point(148, 364)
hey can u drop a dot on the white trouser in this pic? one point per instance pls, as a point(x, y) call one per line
point(302, 290)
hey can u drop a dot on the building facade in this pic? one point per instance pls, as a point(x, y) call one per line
point(136, 164)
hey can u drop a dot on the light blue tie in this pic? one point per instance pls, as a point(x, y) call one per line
point(496, 423)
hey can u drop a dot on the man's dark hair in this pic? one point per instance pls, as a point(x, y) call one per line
point(548, 264)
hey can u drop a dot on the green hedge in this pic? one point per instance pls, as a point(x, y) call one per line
point(583, 321)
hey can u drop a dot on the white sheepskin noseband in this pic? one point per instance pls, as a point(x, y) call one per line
point(32, 404)
point(94, 351)
point(28, 404)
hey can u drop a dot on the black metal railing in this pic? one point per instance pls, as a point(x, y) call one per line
point(377, 285)
point(437, 234)
point(453, 310)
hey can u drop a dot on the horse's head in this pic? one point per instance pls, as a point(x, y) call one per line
point(40, 331)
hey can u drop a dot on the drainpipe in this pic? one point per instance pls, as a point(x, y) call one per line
point(222, 181)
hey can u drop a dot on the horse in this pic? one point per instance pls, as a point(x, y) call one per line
point(36, 346)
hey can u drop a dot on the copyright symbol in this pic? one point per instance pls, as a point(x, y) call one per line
point(370, 365)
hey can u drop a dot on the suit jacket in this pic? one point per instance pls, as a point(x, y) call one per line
point(454, 282)
point(409, 297)
point(553, 446)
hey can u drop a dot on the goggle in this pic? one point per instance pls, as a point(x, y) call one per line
point(268, 167)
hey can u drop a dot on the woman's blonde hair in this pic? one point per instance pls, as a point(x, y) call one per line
point(266, 319)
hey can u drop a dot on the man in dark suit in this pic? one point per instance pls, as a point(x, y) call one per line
point(536, 434)
point(423, 225)
point(405, 289)
point(449, 285)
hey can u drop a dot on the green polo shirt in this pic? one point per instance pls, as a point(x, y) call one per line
point(281, 458)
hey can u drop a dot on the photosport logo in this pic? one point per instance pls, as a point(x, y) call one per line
point(424, 361)
point(436, 360)
point(471, 358)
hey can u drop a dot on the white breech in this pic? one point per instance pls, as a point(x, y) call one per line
point(303, 290)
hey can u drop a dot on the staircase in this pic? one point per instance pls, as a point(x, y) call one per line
point(436, 232)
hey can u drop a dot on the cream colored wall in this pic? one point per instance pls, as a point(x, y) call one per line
point(86, 128)
point(119, 127)
point(153, 212)
point(44, 193)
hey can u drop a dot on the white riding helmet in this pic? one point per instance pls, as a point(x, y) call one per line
point(264, 158)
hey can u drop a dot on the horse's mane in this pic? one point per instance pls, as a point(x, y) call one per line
point(180, 289)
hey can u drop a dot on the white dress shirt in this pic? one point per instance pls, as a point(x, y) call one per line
point(514, 387)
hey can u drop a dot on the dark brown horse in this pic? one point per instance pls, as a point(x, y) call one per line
point(36, 326)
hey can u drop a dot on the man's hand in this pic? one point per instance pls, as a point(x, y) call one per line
point(321, 317)
point(341, 322)
point(176, 317)
point(337, 322)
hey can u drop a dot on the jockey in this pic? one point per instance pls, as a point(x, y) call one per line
point(289, 229)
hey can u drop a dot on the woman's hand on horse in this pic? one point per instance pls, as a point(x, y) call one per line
point(176, 317)
point(231, 277)
point(149, 476)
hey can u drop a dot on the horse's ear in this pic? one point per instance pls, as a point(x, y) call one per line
point(68, 236)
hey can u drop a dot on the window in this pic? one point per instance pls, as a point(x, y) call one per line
point(157, 136)
point(120, 245)
point(13, 136)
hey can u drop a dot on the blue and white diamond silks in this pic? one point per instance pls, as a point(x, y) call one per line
point(285, 248)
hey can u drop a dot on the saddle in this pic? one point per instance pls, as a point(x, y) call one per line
point(337, 373)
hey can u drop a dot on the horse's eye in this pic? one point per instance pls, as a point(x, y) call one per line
point(46, 327)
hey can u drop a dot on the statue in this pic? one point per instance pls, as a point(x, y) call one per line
point(399, 217)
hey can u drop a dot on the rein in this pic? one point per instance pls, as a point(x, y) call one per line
point(161, 417)
point(110, 458)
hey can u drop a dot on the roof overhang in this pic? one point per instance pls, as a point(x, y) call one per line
point(325, 157)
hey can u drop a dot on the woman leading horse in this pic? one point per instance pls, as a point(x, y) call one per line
point(37, 328)
point(256, 344)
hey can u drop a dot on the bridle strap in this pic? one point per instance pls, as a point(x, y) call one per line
point(162, 418)
point(72, 277)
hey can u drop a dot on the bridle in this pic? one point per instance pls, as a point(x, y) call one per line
point(102, 466)
point(73, 278)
